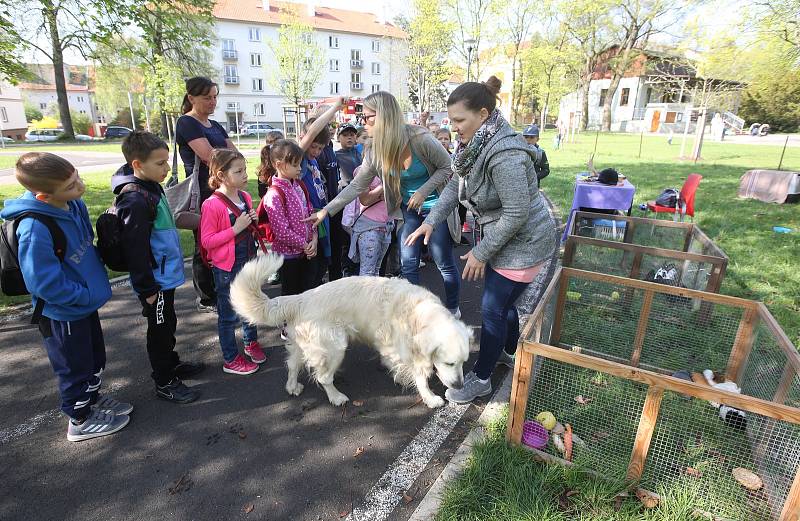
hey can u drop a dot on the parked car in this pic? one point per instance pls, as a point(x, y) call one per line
point(255, 129)
point(7, 140)
point(43, 134)
point(117, 132)
point(83, 137)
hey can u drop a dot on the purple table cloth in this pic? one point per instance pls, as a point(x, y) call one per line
point(600, 196)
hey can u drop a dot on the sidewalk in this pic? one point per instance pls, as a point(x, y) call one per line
point(244, 444)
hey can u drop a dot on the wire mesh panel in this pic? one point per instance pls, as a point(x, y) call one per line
point(599, 327)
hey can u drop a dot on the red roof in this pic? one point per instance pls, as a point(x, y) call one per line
point(325, 18)
point(43, 86)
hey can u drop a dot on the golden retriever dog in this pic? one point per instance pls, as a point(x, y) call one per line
point(408, 325)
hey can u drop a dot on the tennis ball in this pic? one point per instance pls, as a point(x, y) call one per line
point(546, 419)
point(573, 296)
point(614, 295)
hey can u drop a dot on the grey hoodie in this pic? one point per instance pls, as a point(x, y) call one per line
point(502, 192)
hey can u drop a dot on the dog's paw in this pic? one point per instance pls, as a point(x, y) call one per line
point(338, 399)
point(295, 389)
point(434, 401)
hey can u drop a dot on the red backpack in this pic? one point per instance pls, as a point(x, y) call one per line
point(263, 216)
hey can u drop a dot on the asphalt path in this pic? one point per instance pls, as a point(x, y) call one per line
point(244, 446)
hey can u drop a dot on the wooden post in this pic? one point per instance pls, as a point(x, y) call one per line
point(641, 329)
point(569, 252)
point(742, 345)
point(785, 384)
point(687, 241)
point(647, 424)
point(791, 507)
point(563, 285)
point(523, 371)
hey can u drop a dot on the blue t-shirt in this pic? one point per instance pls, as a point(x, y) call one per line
point(188, 129)
point(412, 178)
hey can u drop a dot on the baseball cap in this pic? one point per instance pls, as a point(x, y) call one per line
point(531, 130)
point(346, 126)
point(608, 176)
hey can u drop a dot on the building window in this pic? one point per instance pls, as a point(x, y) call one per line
point(334, 65)
point(42, 106)
point(83, 112)
point(376, 68)
point(255, 34)
point(258, 85)
point(255, 59)
point(230, 71)
point(376, 46)
point(258, 109)
point(334, 87)
point(80, 99)
point(375, 87)
point(623, 98)
point(355, 54)
point(3, 115)
point(308, 38)
point(670, 117)
point(603, 94)
point(308, 63)
point(333, 42)
point(355, 77)
point(228, 45)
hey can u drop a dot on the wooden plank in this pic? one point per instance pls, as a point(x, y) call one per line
point(523, 370)
point(647, 424)
point(785, 384)
point(563, 285)
point(791, 507)
point(704, 392)
point(661, 288)
point(687, 240)
point(569, 250)
point(636, 265)
point(629, 228)
point(742, 345)
point(783, 341)
point(641, 328)
point(637, 220)
point(539, 310)
point(711, 245)
point(613, 358)
point(648, 250)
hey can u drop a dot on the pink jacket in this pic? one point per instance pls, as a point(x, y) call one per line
point(216, 231)
point(286, 222)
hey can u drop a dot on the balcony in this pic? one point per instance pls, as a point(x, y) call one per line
point(230, 54)
point(356, 85)
point(356, 64)
point(231, 80)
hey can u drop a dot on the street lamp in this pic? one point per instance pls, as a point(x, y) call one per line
point(470, 43)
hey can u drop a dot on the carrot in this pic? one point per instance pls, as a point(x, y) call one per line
point(568, 442)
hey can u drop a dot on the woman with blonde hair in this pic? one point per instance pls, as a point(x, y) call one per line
point(413, 168)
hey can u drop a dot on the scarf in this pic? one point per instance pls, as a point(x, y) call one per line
point(465, 155)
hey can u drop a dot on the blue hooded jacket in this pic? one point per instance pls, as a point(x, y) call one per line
point(152, 247)
point(72, 290)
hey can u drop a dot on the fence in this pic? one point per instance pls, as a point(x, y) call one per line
point(605, 367)
point(635, 247)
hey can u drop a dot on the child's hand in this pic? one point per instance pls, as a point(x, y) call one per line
point(311, 248)
point(242, 222)
point(253, 215)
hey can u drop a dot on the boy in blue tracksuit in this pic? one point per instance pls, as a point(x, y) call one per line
point(154, 257)
point(72, 290)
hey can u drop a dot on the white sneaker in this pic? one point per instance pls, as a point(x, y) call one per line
point(506, 359)
point(96, 425)
point(473, 388)
point(456, 313)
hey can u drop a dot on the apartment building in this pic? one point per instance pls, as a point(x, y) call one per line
point(41, 90)
point(363, 54)
point(12, 112)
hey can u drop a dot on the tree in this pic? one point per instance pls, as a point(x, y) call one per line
point(552, 66)
point(300, 61)
point(781, 18)
point(472, 22)
point(54, 26)
point(164, 84)
point(169, 31)
point(11, 67)
point(117, 74)
point(428, 35)
point(81, 122)
point(636, 23)
point(32, 112)
point(518, 21)
point(588, 23)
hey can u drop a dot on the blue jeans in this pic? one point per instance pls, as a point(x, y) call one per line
point(500, 328)
point(227, 319)
point(441, 248)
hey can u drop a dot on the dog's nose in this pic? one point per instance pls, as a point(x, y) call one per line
point(458, 384)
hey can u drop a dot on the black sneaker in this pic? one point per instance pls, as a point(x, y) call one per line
point(176, 391)
point(186, 370)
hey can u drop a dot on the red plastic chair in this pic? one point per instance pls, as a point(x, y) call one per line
point(686, 204)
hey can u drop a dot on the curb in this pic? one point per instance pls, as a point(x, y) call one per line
point(427, 508)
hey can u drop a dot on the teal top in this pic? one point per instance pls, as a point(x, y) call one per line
point(412, 178)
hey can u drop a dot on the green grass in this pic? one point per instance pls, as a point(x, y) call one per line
point(98, 198)
point(7, 162)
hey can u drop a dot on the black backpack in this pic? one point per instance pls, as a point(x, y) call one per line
point(109, 229)
point(669, 198)
point(11, 281)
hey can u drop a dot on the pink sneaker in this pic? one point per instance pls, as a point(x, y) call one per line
point(256, 354)
point(240, 365)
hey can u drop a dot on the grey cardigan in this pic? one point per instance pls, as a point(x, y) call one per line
point(437, 162)
point(502, 192)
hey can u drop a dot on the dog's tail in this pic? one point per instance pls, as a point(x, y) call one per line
point(247, 298)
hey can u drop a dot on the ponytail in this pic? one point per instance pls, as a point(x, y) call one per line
point(281, 150)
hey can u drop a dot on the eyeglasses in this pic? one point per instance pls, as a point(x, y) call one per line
point(370, 118)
